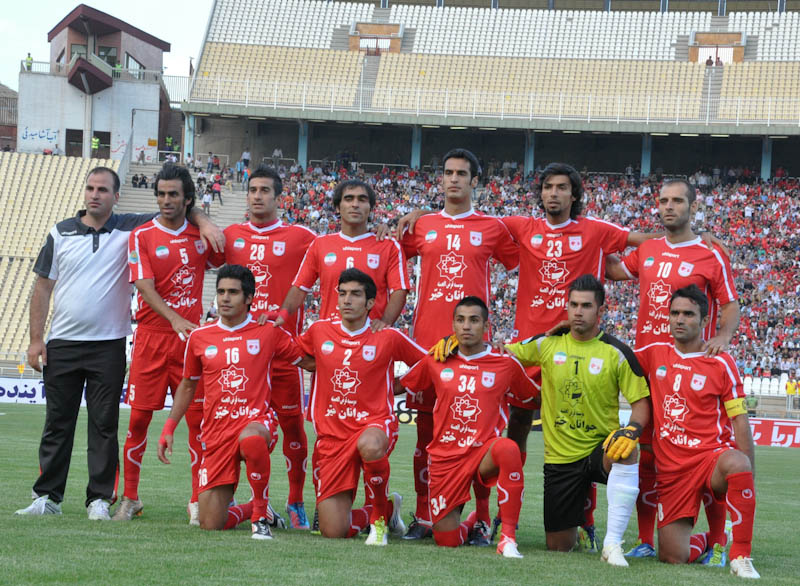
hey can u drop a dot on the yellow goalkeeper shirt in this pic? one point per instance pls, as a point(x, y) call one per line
point(581, 382)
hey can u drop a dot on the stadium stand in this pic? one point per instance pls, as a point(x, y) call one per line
point(752, 82)
point(777, 33)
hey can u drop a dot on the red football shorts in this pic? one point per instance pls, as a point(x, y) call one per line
point(337, 464)
point(681, 493)
point(221, 461)
point(450, 481)
point(156, 365)
point(286, 384)
point(535, 374)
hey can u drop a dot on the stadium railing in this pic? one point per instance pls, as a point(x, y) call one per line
point(282, 161)
point(162, 155)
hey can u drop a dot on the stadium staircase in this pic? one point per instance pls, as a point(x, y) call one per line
point(369, 75)
point(381, 15)
point(340, 39)
point(751, 48)
point(681, 46)
point(712, 90)
point(719, 24)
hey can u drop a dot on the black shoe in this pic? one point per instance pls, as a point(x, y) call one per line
point(495, 527)
point(315, 523)
point(417, 530)
point(261, 529)
point(480, 534)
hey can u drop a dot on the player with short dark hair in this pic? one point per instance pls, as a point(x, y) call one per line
point(470, 385)
point(583, 372)
point(697, 402)
point(233, 355)
point(352, 409)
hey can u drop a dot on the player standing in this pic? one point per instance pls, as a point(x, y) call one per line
point(469, 417)
point(692, 394)
point(273, 251)
point(583, 372)
point(233, 355)
point(167, 261)
point(454, 247)
point(664, 265)
point(352, 409)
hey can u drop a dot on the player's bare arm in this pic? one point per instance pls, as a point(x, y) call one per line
point(409, 221)
point(294, 298)
point(211, 234)
point(637, 238)
point(614, 269)
point(744, 438)
point(394, 307)
point(147, 289)
point(40, 304)
point(308, 363)
point(728, 323)
point(184, 395)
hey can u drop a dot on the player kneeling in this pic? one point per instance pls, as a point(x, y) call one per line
point(233, 356)
point(471, 384)
point(694, 450)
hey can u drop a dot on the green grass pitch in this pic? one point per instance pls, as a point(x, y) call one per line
point(160, 547)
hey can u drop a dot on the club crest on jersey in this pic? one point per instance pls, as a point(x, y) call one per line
point(253, 346)
point(475, 238)
point(278, 248)
point(327, 347)
point(685, 269)
point(536, 240)
point(238, 243)
point(199, 246)
point(430, 236)
point(133, 257)
point(661, 372)
point(698, 382)
point(447, 375)
point(648, 262)
point(373, 260)
point(368, 352)
point(595, 365)
point(330, 258)
point(487, 379)
point(210, 352)
point(559, 358)
point(162, 252)
point(575, 242)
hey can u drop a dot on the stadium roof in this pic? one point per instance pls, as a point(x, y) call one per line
point(101, 23)
point(7, 92)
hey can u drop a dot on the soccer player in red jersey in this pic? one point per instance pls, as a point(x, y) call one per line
point(352, 409)
point(454, 247)
point(664, 265)
point(273, 251)
point(233, 355)
point(695, 396)
point(167, 260)
point(353, 247)
point(469, 417)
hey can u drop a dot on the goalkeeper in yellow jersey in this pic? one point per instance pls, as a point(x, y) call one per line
point(583, 372)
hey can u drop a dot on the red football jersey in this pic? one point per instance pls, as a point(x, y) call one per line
point(693, 397)
point(662, 268)
point(331, 254)
point(234, 364)
point(551, 257)
point(176, 261)
point(471, 401)
point(354, 380)
point(273, 253)
point(454, 256)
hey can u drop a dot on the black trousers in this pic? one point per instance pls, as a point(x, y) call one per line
point(101, 366)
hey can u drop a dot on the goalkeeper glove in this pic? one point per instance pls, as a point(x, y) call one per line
point(620, 443)
point(444, 348)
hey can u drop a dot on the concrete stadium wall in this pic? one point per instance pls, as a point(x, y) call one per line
point(230, 137)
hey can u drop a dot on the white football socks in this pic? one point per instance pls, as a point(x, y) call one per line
point(621, 492)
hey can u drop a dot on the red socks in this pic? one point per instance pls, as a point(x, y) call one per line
point(524, 456)
point(452, 538)
point(133, 452)
point(255, 451)
point(510, 483)
point(647, 500)
point(376, 478)
point(482, 493)
point(238, 514)
point(716, 512)
point(741, 500)
point(295, 450)
point(590, 505)
point(698, 543)
point(194, 417)
point(359, 519)
point(424, 437)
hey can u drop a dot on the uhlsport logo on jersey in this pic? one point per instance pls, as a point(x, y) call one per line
point(373, 260)
point(368, 352)
point(447, 375)
point(162, 252)
point(661, 372)
point(595, 365)
point(536, 240)
point(648, 262)
point(560, 357)
point(430, 236)
point(698, 382)
point(199, 246)
point(278, 248)
point(330, 258)
point(238, 243)
point(210, 352)
point(685, 269)
point(487, 379)
point(475, 238)
point(327, 347)
point(575, 242)
point(253, 346)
